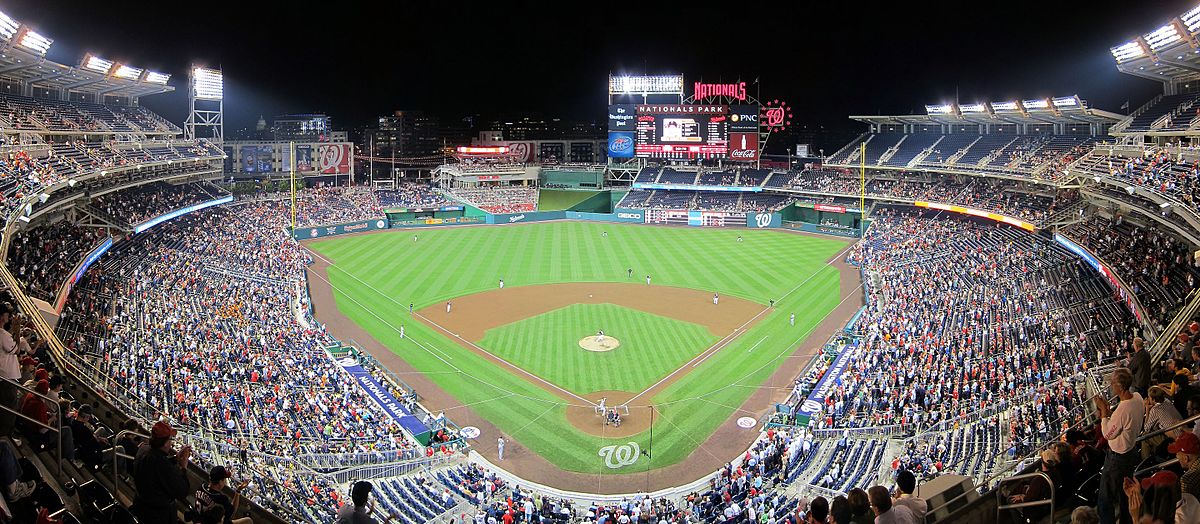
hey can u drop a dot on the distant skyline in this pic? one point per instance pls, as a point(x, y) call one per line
point(357, 60)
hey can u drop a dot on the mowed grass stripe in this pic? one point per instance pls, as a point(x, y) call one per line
point(704, 260)
point(651, 347)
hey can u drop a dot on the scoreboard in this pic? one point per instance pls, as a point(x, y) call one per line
point(693, 131)
point(684, 131)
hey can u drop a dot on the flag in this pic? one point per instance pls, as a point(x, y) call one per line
point(1125, 105)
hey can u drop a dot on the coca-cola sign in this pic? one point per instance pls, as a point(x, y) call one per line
point(743, 146)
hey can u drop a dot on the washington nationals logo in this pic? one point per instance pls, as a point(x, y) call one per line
point(519, 150)
point(762, 219)
point(616, 457)
point(811, 406)
point(331, 157)
point(777, 116)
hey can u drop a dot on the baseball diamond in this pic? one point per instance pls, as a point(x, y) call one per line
point(508, 358)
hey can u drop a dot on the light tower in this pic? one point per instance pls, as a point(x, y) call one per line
point(206, 91)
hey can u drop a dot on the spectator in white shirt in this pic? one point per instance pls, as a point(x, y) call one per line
point(10, 369)
point(1121, 428)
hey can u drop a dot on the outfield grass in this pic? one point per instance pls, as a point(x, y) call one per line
point(547, 345)
point(556, 199)
point(376, 276)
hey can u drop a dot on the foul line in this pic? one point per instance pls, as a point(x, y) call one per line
point(756, 345)
point(489, 353)
point(422, 346)
point(728, 339)
point(447, 331)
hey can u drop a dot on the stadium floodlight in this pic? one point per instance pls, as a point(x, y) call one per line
point(1128, 51)
point(1163, 36)
point(1005, 106)
point(156, 78)
point(972, 108)
point(32, 41)
point(8, 26)
point(1035, 104)
point(208, 84)
point(127, 72)
point(1191, 19)
point(96, 64)
point(1066, 101)
point(940, 109)
point(645, 85)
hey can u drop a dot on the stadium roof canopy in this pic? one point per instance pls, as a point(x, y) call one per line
point(23, 61)
point(1169, 54)
point(1064, 110)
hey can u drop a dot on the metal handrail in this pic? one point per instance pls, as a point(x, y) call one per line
point(58, 419)
point(118, 452)
point(1001, 506)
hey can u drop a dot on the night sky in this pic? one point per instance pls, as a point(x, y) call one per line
point(357, 60)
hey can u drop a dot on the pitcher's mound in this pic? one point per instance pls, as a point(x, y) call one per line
point(592, 344)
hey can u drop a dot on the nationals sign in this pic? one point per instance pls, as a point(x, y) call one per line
point(333, 159)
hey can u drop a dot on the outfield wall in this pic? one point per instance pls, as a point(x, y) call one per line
point(305, 233)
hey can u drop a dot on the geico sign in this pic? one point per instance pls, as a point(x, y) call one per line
point(629, 215)
point(742, 153)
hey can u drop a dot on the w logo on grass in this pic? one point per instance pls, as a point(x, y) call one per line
point(616, 457)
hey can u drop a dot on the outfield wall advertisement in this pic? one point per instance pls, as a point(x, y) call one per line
point(763, 220)
point(621, 215)
point(530, 216)
point(304, 233)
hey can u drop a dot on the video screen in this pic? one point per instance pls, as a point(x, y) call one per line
point(682, 131)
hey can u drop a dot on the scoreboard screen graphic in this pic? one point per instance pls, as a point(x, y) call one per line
point(682, 131)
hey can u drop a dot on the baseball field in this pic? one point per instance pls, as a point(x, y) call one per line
point(513, 357)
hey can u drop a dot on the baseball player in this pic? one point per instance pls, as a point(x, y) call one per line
point(647, 280)
point(447, 307)
point(500, 447)
point(715, 298)
point(401, 331)
point(792, 319)
point(502, 283)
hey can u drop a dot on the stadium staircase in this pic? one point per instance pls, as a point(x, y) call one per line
point(891, 151)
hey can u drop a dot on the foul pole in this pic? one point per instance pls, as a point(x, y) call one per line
point(862, 190)
point(292, 152)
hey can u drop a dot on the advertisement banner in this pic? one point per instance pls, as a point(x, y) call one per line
point(531, 216)
point(304, 233)
point(695, 218)
point(620, 144)
point(743, 146)
point(304, 158)
point(829, 208)
point(333, 159)
point(257, 159)
point(386, 401)
point(623, 216)
point(815, 403)
point(763, 220)
point(743, 119)
point(621, 117)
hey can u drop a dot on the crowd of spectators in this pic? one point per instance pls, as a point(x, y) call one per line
point(412, 194)
point(1008, 197)
point(500, 199)
point(327, 205)
point(42, 258)
point(1160, 268)
point(141, 203)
